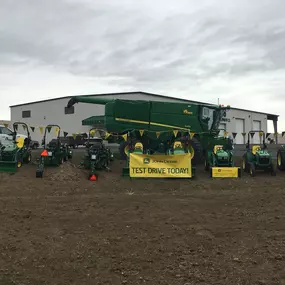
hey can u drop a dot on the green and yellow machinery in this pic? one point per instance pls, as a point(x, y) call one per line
point(55, 152)
point(15, 152)
point(257, 157)
point(173, 121)
point(97, 156)
point(220, 163)
point(281, 158)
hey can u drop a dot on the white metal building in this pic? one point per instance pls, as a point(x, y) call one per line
point(54, 111)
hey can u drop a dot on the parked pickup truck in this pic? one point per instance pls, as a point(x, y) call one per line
point(74, 143)
point(7, 134)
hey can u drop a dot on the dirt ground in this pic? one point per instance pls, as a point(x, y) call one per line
point(64, 229)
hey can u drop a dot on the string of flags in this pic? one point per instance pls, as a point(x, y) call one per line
point(142, 132)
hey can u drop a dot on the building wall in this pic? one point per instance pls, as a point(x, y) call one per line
point(53, 112)
point(239, 121)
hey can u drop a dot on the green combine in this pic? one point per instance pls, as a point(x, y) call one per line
point(257, 157)
point(157, 125)
point(97, 156)
point(55, 152)
point(15, 152)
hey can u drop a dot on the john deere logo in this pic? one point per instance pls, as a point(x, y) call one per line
point(146, 160)
point(187, 112)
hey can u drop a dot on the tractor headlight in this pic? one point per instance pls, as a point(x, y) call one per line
point(93, 156)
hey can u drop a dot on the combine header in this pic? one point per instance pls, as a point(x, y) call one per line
point(54, 154)
point(14, 153)
point(97, 156)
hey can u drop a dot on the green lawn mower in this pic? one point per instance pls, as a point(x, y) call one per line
point(55, 152)
point(16, 151)
point(97, 156)
point(220, 163)
point(257, 157)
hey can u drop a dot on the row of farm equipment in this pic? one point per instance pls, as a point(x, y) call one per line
point(150, 129)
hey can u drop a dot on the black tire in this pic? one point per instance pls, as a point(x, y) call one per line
point(122, 146)
point(252, 170)
point(198, 154)
point(273, 170)
point(245, 167)
point(280, 162)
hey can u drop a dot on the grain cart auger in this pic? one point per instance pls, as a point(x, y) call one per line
point(141, 120)
point(16, 151)
point(55, 152)
point(97, 156)
point(257, 157)
point(281, 158)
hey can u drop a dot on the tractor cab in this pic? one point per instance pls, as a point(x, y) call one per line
point(257, 157)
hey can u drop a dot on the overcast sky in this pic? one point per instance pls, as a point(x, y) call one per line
point(200, 50)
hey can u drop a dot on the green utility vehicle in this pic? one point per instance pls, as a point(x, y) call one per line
point(97, 156)
point(153, 124)
point(257, 157)
point(54, 154)
point(16, 151)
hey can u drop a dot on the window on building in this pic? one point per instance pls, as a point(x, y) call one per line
point(69, 111)
point(26, 114)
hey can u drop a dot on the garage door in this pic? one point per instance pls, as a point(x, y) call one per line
point(239, 130)
point(222, 128)
point(256, 127)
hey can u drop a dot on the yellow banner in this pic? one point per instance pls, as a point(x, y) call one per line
point(225, 172)
point(160, 166)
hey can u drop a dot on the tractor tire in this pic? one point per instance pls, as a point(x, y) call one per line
point(280, 162)
point(273, 170)
point(28, 159)
point(198, 153)
point(245, 167)
point(252, 170)
point(122, 146)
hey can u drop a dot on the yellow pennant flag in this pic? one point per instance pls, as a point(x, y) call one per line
point(74, 135)
point(41, 130)
point(107, 135)
point(191, 135)
point(157, 134)
point(226, 134)
point(175, 132)
point(6, 125)
point(125, 136)
point(276, 134)
point(56, 131)
point(141, 132)
point(243, 134)
point(260, 134)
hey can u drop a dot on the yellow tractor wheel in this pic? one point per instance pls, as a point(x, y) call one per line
point(279, 159)
point(19, 164)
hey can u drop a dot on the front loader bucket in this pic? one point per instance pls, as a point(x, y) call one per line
point(8, 166)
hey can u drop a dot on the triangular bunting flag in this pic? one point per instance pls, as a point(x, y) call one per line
point(56, 131)
point(157, 134)
point(268, 134)
point(260, 134)
point(65, 134)
point(226, 134)
point(125, 136)
point(74, 136)
point(283, 134)
point(6, 125)
point(175, 132)
point(243, 134)
point(234, 135)
point(92, 133)
point(33, 129)
point(141, 132)
point(107, 135)
point(276, 134)
point(252, 135)
point(41, 130)
point(49, 129)
point(191, 135)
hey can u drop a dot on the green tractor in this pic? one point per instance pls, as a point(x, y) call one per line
point(16, 151)
point(281, 158)
point(257, 157)
point(97, 156)
point(55, 152)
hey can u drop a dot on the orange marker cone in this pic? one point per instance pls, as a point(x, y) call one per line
point(44, 153)
point(93, 177)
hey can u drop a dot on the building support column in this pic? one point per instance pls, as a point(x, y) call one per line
point(275, 129)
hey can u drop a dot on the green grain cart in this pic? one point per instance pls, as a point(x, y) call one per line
point(153, 117)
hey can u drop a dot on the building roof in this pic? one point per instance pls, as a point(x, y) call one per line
point(269, 116)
